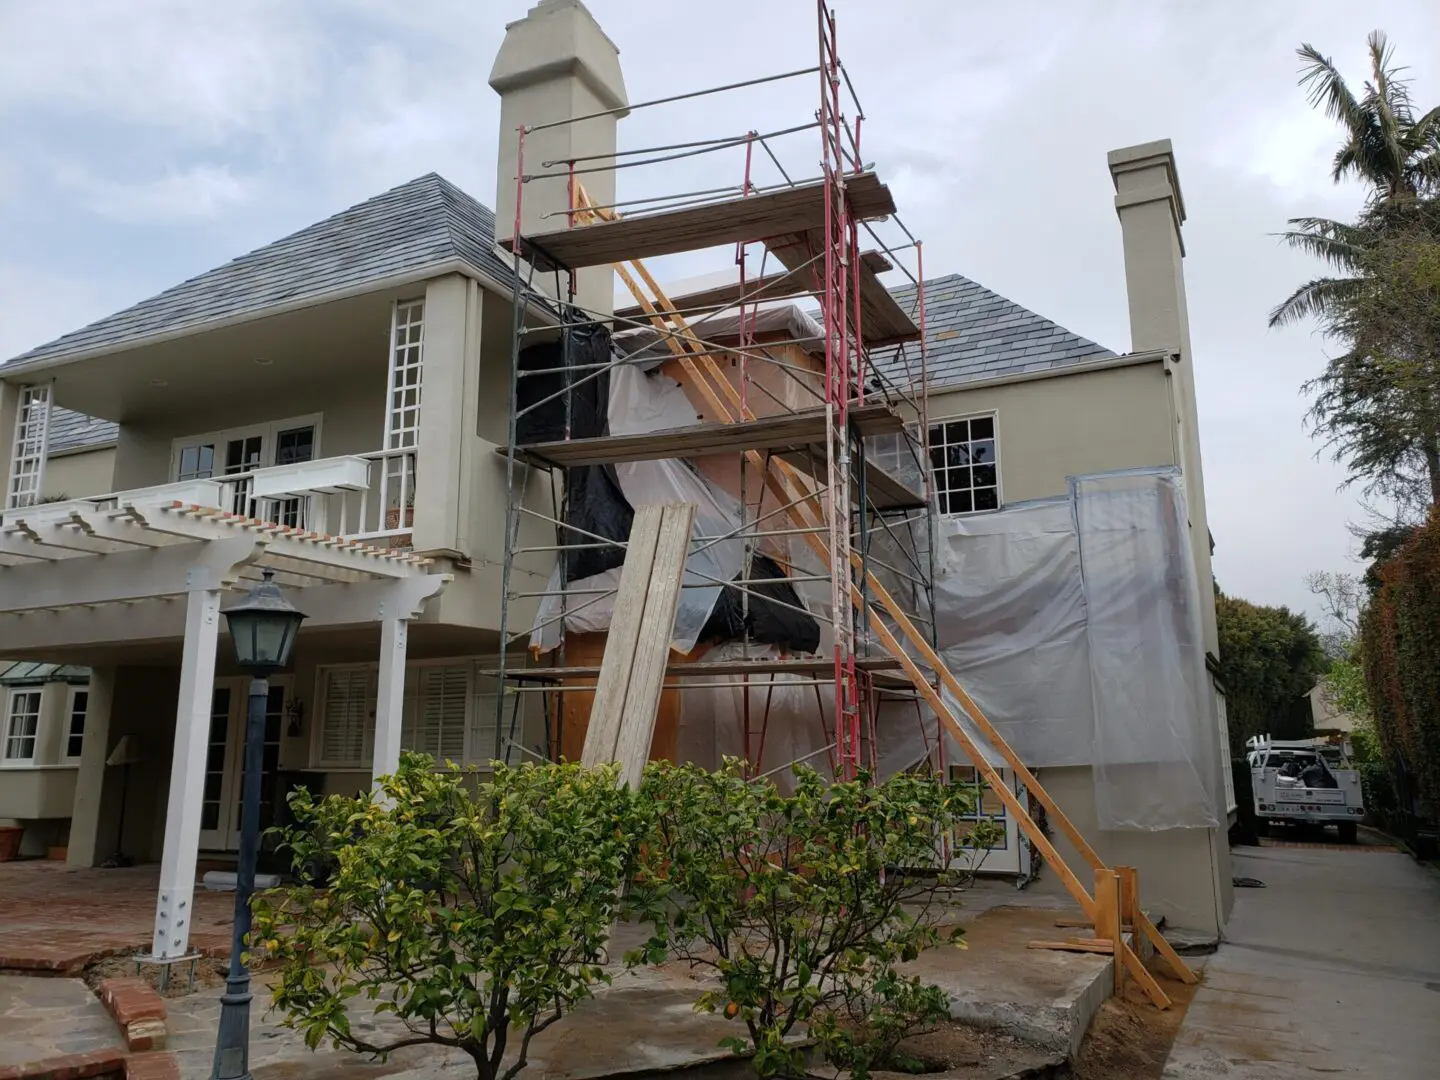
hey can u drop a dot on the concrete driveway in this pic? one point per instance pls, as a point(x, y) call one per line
point(1333, 969)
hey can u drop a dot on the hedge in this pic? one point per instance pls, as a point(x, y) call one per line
point(1400, 633)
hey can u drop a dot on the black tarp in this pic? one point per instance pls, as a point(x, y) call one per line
point(594, 501)
point(769, 623)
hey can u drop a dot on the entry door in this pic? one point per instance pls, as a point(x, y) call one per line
point(225, 762)
point(1012, 854)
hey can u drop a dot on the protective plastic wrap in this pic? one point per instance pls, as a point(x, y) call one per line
point(1155, 738)
point(1010, 611)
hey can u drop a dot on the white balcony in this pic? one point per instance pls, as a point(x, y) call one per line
point(369, 497)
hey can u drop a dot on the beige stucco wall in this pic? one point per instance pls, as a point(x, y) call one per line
point(1053, 428)
point(79, 475)
point(351, 422)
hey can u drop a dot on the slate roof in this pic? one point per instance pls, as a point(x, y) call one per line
point(972, 333)
point(425, 222)
point(71, 430)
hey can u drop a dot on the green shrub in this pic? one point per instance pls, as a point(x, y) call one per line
point(797, 903)
point(476, 913)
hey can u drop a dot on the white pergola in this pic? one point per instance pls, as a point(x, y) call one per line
point(101, 572)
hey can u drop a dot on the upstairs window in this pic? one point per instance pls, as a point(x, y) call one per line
point(964, 459)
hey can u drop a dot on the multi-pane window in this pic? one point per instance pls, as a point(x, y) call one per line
point(22, 722)
point(75, 727)
point(402, 413)
point(964, 461)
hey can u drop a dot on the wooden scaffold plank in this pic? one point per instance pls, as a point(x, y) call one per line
point(627, 693)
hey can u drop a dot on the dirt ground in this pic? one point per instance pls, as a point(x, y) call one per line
point(208, 972)
point(1130, 1039)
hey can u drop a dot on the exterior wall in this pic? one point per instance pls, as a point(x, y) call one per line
point(1053, 428)
point(1176, 866)
point(351, 422)
point(77, 475)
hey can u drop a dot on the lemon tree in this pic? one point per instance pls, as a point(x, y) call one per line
point(473, 909)
point(800, 902)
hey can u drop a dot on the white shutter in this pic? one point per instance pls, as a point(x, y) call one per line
point(441, 711)
point(346, 723)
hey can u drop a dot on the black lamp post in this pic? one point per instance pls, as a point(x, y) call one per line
point(263, 626)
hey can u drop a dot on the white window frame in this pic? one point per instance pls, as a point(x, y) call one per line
point(268, 433)
point(479, 712)
point(993, 416)
point(67, 732)
point(16, 762)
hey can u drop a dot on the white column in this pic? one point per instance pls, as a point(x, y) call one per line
point(84, 843)
point(187, 774)
point(390, 697)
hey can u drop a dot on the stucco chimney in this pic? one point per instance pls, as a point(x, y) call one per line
point(557, 63)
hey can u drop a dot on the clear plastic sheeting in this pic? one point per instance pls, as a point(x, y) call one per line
point(1154, 743)
point(1010, 611)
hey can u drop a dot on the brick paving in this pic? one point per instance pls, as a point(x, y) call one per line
point(58, 918)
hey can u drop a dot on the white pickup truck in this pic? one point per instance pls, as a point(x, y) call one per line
point(1307, 782)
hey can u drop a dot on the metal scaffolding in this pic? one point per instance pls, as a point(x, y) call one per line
point(864, 497)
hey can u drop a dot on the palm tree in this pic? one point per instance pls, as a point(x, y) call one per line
point(1396, 155)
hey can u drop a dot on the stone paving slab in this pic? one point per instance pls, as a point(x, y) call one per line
point(46, 1017)
point(60, 918)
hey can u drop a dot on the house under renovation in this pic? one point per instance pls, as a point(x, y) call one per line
point(928, 528)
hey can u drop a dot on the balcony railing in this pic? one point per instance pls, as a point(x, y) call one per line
point(368, 497)
point(362, 497)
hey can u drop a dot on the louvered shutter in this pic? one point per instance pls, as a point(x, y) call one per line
point(482, 732)
point(442, 709)
point(347, 730)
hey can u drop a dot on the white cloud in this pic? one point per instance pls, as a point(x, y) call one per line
point(199, 191)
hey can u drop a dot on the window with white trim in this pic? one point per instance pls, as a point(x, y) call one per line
point(1222, 718)
point(447, 711)
point(75, 723)
point(22, 724)
point(964, 458)
point(402, 407)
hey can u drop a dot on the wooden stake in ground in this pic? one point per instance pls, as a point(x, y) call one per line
point(627, 693)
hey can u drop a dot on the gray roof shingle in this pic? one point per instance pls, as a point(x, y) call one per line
point(973, 333)
point(421, 223)
point(71, 430)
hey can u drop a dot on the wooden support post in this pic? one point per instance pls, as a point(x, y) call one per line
point(1107, 920)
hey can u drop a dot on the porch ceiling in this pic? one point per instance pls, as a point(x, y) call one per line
point(311, 347)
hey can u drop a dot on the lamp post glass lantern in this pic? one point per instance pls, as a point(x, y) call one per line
point(262, 625)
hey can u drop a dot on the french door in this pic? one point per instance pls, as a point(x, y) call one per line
point(225, 761)
point(240, 451)
point(1011, 855)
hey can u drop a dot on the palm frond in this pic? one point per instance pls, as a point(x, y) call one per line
point(1338, 244)
point(1315, 299)
point(1326, 87)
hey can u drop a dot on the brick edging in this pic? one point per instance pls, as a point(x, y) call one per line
point(137, 1009)
point(105, 1063)
point(154, 1065)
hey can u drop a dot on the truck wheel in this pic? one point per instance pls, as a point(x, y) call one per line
point(1349, 832)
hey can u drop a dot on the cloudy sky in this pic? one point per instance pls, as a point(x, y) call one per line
point(144, 141)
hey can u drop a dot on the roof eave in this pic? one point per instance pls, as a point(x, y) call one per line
point(1152, 356)
point(409, 277)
